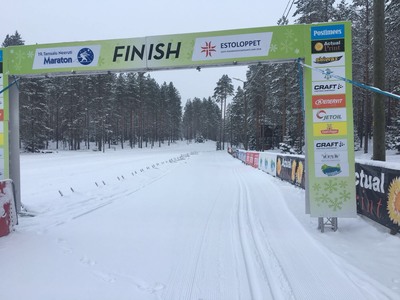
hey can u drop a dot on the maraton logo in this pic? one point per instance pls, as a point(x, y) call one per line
point(85, 56)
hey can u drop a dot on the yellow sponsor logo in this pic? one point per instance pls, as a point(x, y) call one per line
point(330, 129)
point(1, 139)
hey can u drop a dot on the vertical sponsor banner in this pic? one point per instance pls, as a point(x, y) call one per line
point(267, 163)
point(329, 122)
point(3, 122)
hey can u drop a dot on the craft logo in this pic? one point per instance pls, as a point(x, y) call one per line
point(66, 57)
point(330, 145)
point(327, 32)
point(232, 46)
point(329, 101)
point(85, 56)
point(332, 87)
point(327, 46)
point(329, 115)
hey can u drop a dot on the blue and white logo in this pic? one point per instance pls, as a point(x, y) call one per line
point(85, 56)
point(327, 32)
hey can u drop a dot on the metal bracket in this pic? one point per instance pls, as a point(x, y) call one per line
point(327, 222)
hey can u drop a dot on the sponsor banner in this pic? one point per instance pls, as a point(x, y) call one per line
point(241, 155)
point(1, 82)
point(66, 57)
point(328, 59)
point(327, 46)
point(329, 101)
point(232, 46)
point(8, 213)
point(329, 115)
point(256, 156)
point(331, 88)
point(291, 169)
point(327, 74)
point(329, 129)
point(189, 50)
point(331, 164)
point(327, 32)
point(267, 163)
point(330, 145)
point(2, 101)
point(377, 194)
point(252, 159)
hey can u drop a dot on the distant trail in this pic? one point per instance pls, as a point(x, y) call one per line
point(205, 228)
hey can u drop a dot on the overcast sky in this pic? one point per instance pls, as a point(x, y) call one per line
point(49, 21)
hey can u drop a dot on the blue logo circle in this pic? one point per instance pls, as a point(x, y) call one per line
point(85, 56)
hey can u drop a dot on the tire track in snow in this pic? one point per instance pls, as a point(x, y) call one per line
point(265, 276)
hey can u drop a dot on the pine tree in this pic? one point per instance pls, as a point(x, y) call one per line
point(223, 89)
point(13, 40)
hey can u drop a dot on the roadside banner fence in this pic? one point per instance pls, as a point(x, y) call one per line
point(8, 213)
point(377, 187)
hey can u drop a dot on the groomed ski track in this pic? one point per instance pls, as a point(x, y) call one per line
point(203, 228)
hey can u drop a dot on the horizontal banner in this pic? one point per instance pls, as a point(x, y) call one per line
point(377, 193)
point(291, 169)
point(228, 47)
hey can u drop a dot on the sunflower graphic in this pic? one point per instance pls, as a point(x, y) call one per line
point(294, 163)
point(279, 166)
point(299, 172)
point(393, 205)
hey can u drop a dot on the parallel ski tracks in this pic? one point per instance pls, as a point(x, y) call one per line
point(265, 276)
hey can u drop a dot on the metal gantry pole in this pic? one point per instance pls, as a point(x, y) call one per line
point(13, 134)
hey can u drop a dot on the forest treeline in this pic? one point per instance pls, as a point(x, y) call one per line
point(132, 109)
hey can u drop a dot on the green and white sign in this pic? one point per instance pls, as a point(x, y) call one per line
point(325, 48)
point(329, 122)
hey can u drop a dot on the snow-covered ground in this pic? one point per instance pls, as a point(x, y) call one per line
point(152, 224)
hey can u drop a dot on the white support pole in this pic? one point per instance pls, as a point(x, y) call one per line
point(14, 142)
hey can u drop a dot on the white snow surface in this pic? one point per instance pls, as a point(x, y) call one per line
point(201, 227)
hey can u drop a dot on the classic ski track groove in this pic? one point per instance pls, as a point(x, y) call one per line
point(262, 260)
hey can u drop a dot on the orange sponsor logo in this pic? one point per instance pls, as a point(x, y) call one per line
point(329, 101)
